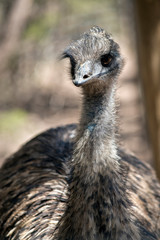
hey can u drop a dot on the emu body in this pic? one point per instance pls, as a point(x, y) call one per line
point(74, 183)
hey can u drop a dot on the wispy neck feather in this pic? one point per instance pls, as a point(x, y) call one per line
point(96, 141)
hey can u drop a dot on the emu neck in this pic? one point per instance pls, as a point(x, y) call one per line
point(98, 108)
point(95, 143)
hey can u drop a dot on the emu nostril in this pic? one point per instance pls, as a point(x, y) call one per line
point(85, 76)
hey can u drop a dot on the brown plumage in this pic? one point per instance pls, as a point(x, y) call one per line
point(90, 190)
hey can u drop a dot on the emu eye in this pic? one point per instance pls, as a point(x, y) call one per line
point(106, 59)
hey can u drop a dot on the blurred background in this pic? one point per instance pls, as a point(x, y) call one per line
point(36, 92)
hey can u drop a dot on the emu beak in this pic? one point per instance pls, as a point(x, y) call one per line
point(84, 74)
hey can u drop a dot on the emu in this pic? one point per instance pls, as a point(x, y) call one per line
point(74, 182)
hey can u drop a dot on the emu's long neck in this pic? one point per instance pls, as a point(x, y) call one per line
point(95, 143)
point(97, 204)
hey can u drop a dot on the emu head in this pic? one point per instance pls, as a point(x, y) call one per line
point(94, 58)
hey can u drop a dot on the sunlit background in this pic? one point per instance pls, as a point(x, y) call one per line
point(36, 92)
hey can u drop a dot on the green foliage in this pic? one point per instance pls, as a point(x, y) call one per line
point(11, 120)
point(85, 7)
point(92, 12)
point(40, 1)
point(39, 28)
point(80, 6)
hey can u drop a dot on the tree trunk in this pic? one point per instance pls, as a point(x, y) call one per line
point(148, 25)
point(13, 29)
